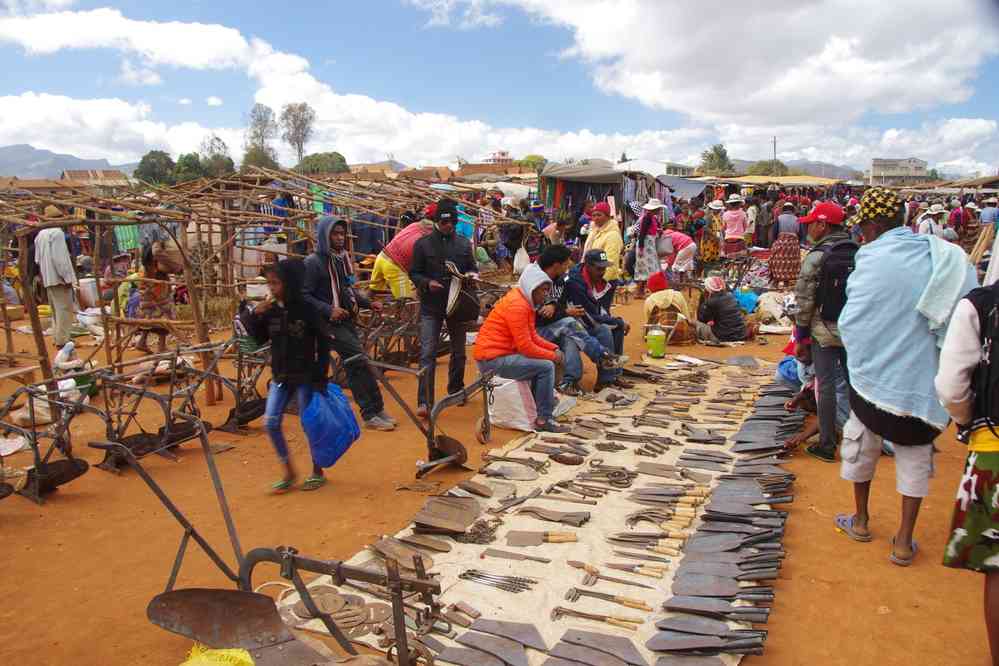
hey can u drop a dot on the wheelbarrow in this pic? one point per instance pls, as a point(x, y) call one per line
point(241, 618)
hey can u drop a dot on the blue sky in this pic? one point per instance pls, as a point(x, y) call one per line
point(571, 78)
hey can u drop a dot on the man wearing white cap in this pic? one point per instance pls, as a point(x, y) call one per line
point(932, 222)
point(990, 213)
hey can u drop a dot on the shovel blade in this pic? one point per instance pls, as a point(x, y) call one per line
point(220, 618)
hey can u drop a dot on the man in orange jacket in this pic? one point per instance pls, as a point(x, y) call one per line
point(508, 344)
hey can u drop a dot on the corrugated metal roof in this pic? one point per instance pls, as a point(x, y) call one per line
point(103, 177)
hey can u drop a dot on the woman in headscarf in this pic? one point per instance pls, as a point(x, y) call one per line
point(785, 255)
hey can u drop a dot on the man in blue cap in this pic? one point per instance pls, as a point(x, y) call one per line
point(588, 289)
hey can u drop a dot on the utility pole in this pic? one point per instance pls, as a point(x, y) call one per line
point(775, 152)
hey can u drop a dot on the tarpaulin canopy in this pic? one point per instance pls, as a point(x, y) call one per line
point(587, 171)
point(683, 188)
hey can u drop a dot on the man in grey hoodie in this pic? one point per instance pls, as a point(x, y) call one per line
point(328, 280)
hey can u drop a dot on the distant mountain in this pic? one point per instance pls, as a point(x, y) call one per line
point(821, 169)
point(26, 161)
point(825, 170)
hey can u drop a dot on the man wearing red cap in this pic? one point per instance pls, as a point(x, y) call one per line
point(391, 269)
point(820, 294)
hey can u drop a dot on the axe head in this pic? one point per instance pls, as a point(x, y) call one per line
point(572, 594)
point(556, 613)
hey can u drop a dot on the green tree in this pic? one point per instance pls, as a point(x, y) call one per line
point(215, 160)
point(624, 157)
point(715, 161)
point(260, 157)
point(297, 124)
point(188, 167)
point(768, 168)
point(332, 162)
point(535, 162)
point(155, 167)
point(934, 175)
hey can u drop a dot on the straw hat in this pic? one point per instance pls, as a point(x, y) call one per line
point(653, 204)
point(716, 205)
point(734, 199)
point(936, 209)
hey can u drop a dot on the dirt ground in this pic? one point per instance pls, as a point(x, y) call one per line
point(78, 572)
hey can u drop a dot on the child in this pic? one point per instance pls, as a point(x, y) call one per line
point(300, 357)
point(155, 301)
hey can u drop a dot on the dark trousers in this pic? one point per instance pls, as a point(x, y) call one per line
point(830, 368)
point(363, 385)
point(430, 334)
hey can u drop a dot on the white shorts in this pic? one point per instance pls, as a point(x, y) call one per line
point(861, 450)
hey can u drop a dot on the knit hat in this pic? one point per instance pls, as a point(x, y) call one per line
point(602, 207)
point(657, 282)
point(879, 202)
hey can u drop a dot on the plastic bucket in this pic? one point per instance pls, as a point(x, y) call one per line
point(655, 342)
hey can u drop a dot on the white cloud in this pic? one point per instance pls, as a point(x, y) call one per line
point(184, 101)
point(810, 97)
point(213, 101)
point(137, 75)
point(776, 62)
point(30, 6)
point(112, 128)
point(471, 13)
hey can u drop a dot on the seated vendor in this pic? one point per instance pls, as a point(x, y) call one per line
point(559, 322)
point(719, 317)
point(508, 344)
point(588, 289)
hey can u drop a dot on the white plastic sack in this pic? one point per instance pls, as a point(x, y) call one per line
point(512, 405)
point(521, 260)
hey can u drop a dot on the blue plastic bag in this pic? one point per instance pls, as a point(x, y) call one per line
point(330, 425)
point(748, 300)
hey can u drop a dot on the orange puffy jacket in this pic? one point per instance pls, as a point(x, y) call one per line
point(509, 329)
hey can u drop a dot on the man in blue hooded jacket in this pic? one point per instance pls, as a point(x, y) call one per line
point(328, 279)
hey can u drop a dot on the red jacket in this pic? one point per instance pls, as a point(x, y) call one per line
point(509, 329)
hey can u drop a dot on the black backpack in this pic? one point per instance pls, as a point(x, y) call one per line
point(839, 262)
point(985, 380)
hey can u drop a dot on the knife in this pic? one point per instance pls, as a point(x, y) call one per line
point(494, 552)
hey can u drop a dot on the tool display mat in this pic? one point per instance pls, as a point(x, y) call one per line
point(607, 517)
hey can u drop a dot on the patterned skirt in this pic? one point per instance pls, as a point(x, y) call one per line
point(785, 259)
point(646, 260)
point(735, 246)
point(974, 531)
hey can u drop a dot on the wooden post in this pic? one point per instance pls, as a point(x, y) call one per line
point(31, 307)
point(98, 241)
point(200, 329)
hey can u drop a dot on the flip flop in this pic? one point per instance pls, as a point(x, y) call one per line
point(282, 486)
point(902, 561)
point(844, 524)
point(314, 483)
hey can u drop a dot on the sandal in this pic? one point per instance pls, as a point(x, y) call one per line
point(902, 561)
point(314, 483)
point(283, 486)
point(844, 524)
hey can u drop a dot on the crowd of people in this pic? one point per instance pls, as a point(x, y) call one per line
point(891, 340)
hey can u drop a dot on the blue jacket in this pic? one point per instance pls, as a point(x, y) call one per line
point(597, 311)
